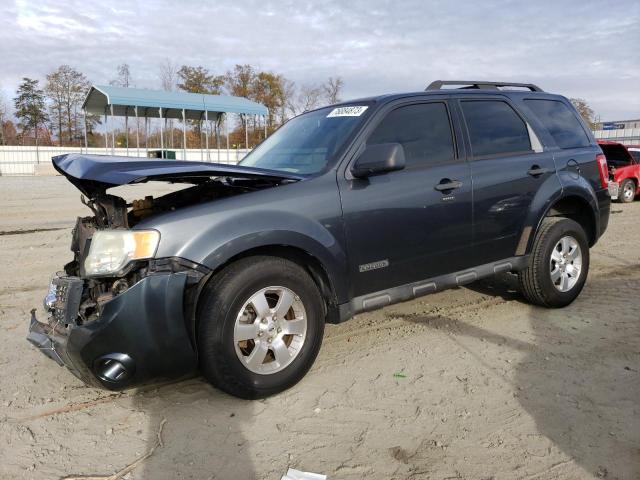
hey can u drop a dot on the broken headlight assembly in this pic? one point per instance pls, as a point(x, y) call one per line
point(112, 250)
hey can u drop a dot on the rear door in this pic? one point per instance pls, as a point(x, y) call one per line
point(574, 151)
point(508, 166)
point(403, 226)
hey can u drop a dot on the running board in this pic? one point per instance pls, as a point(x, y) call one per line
point(374, 301)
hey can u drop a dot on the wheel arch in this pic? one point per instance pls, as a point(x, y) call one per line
point(575, 206)
point(310, 262)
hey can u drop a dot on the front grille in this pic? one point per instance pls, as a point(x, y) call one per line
point(63, 300)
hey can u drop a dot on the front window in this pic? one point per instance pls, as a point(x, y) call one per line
point(308, 143)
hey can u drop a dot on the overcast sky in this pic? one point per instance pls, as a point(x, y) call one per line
point(588, 49)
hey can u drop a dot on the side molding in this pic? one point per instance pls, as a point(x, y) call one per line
point(374, 301)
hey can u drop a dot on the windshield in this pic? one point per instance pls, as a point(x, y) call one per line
point(308, 143)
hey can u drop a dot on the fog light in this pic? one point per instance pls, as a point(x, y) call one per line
point(114, 367)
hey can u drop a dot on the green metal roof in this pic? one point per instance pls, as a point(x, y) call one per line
point(101, 97)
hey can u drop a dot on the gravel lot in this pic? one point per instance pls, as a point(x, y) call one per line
point(489, 387)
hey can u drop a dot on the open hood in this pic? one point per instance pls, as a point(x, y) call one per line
point(93, 174)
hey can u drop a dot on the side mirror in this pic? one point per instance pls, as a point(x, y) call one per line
point(377, 159)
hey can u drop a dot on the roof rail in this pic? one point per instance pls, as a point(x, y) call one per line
point(464, 84)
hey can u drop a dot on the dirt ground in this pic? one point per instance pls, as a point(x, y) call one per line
point(488, 386)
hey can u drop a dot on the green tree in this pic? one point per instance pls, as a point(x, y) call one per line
point(30, 107)
point(271, 90)
point(199, 80)
point(239, 81)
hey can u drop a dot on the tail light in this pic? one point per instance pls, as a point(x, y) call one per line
point(603, 170)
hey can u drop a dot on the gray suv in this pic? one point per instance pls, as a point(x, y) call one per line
point(343, 209)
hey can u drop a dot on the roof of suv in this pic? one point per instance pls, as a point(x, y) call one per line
point(469, 88)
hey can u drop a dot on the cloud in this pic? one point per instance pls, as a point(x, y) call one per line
point(577, 48)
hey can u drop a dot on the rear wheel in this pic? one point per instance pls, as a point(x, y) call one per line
point(627, 191)
point(559, 264)
point(261, 322)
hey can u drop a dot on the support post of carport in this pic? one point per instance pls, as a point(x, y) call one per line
point(206, 134)
point(184, 135)
point(113, 134)
point(126, 127)
point(84, 130)
point(146, 133)
point(106, 132)
point(226, 131)
point(161, 135)
point(200, 139)
point(246, 133)
point(135, 109)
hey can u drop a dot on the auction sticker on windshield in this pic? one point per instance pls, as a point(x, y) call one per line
point(352, 111)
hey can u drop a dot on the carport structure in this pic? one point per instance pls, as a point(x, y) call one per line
point(137, 103)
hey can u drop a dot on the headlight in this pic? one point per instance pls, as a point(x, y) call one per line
point(112, 250)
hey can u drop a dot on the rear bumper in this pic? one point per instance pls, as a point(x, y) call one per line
point(141, 335)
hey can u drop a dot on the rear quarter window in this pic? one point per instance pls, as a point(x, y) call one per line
point(561, 122)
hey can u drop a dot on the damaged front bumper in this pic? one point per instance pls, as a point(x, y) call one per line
point(142, 334)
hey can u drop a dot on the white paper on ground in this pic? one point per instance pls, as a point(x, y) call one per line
point(293, 474)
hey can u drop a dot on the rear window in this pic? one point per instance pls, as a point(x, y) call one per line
point(561, 122)
point(495, 128)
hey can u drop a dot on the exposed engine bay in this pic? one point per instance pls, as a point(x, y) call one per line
point(113, 212)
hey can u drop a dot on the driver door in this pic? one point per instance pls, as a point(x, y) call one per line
point(402, 226)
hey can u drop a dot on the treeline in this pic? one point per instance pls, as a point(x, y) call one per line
point(50, 113)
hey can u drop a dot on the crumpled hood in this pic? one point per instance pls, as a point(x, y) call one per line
point(93, 174)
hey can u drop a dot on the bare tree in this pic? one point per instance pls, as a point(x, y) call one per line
point(123, 80)
point(585, 111)
point(332, 90)
point(168, 74)
point(124, 76)
point(66, 89)
point(4, 112)
point(308, 98)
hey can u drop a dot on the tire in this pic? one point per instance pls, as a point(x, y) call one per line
point(536, 282)
point(627, 192)
point(227, 363)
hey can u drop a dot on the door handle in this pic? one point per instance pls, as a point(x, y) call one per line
point(447, 185)
point(536, 171)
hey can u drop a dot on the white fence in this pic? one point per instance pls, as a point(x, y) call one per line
point(23, 160)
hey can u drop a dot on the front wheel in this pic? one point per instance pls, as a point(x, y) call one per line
point(260, 326)
point(559, 264)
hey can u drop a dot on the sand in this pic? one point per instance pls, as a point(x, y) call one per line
point(489, 387)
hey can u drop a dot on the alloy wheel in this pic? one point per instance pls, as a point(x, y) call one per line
point(565, 263)
point(270, 330)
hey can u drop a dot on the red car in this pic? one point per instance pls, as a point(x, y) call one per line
point(624, 170)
